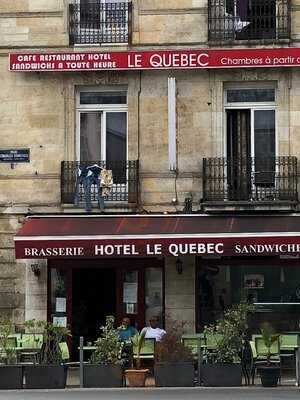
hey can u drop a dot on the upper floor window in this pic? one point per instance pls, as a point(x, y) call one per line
point(231, 20)
point(99, 21)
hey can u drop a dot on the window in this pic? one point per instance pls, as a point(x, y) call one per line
point(250, 142)
point(100, 21)
point(102, 126)
point(102, 131)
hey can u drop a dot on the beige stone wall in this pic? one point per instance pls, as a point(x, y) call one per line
point(12, 273)
point(180, 293)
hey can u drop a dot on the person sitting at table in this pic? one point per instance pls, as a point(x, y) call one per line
point(126, 331)
point(153, 331)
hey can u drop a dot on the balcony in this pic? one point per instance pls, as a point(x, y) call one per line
point(123, 189)
point(250, 182)
point(243, 20)
point(96, 22)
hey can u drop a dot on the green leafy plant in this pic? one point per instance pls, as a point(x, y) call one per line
point(53, 335)
point(8, 354)
point(60, 288)
point(170, 348)
point(108, 345)
point(228, 334)
point(269, 337)
point(138, 342)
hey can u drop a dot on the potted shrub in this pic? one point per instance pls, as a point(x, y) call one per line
point(105, 367)
point(270, 372)
point(174, 364)
point(50, 373)
point(136, 376)
point(11, 374)
point(223, 364)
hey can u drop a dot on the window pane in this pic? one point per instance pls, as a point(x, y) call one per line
point(116, 145)
point(250, 95)
point(130, 292)
point(153, 294)
point(264, 146)
point(90, 136)
point(103, 98)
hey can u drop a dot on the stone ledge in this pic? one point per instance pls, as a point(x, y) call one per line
point(33, 14)
point(171, 11)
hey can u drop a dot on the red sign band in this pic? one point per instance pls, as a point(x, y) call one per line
point(93, 248)
point(169, 59)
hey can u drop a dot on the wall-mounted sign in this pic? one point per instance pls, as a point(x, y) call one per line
point(14, 155)
point(161, 59)
point(89, 247)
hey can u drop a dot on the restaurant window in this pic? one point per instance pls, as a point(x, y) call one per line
point(154, 294)
point(58, 281)
point(273, 289)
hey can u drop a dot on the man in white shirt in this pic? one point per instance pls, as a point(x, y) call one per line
point(153, 331)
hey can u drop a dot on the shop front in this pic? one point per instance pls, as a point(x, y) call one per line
point(187, 267)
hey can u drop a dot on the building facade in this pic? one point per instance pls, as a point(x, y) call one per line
point(217, 143)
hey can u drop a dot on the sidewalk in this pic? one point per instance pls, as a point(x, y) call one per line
point(197, 393)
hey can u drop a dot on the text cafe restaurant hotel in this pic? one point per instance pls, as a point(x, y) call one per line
point(159, 182)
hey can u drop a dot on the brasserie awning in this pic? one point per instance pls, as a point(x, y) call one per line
point(89, 236)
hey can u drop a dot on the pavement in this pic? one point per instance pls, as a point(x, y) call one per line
point(197, 393)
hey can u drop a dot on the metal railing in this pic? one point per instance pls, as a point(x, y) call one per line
point(124, 188)
point(231, 20)
point(267, 180)
point(96, 22)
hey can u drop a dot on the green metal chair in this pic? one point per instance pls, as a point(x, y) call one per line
point(65, 354)
point(288, 344)
point(32, 341)
point(192, 342)
point(147, 349)
point(10, 343)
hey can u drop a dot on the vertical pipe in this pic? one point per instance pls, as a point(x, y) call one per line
point(81, 361)
point(172, 123)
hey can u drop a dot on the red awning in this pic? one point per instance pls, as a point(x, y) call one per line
point(144, 235)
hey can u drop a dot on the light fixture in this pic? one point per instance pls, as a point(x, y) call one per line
point(35, 269)
point(179, 265)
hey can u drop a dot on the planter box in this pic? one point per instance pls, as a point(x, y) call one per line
point(221, 375)
point(11, 377)
point(102, 376)
point(179, 374)
point(45, 376)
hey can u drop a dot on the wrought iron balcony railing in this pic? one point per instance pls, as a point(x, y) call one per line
point(98, 22)
point(261, 180)
point(231, 20)
point(124, 187)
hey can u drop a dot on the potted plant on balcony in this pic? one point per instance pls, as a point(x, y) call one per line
point(136, 376)
point(174, 363)
point(105, 367)
point(223, 362)
point(11, 374)
point(50, 373)
point(270, 372)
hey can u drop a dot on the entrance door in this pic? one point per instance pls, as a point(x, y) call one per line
point(93, 298)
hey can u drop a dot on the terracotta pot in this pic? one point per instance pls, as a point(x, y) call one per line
point(136, 377)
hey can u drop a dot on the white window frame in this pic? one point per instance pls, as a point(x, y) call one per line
point(103, 109)
point(252, 106)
